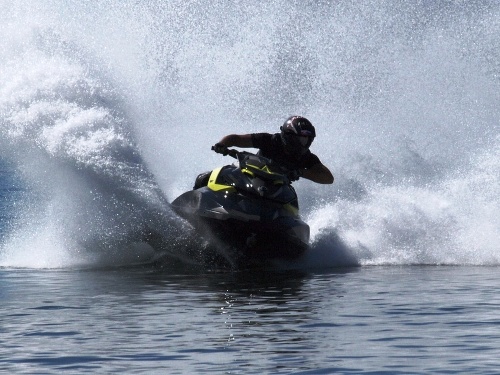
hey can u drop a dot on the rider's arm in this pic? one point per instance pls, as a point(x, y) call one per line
point(318, 173)
point(243, 140)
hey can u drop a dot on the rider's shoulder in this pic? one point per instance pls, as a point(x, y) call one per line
point(260, 138)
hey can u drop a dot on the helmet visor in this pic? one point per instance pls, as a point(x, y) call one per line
point(305, 138)
point(298, 142)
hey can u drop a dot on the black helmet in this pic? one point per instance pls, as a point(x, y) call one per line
point(297, 134)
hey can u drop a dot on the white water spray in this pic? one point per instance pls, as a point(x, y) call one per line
point(107, 108)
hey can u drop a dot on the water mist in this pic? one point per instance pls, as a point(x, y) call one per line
point(109, 109)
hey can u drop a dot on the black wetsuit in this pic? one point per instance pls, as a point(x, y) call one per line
point(271, 146)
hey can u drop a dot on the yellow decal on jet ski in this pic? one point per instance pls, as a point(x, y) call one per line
point(213, 185)
point(266, 170)
point(291, 208)
point(248, 172)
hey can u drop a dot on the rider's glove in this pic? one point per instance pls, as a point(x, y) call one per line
point(294, 175)
point(220, 149)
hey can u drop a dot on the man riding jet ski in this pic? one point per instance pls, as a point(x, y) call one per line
point(253, 207)
point(290, 149)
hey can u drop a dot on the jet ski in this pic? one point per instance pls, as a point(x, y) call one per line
point(249, 207)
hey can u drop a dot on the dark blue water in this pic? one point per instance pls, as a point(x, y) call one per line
point(108, 110)
point(399, 320)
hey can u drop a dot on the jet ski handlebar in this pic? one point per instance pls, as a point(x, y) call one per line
point(243, 158)
point(221, 149)
point(233, 153)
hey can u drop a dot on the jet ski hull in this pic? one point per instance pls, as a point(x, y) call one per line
point(249, 211)
point(252, 227)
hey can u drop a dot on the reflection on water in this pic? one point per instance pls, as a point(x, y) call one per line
point(150, 319)
point(86, 319)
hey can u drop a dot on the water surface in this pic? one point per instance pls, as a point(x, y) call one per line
point(399, 320)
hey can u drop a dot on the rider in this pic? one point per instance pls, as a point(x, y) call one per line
point(290, 149)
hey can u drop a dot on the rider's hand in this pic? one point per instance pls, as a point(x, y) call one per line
point(294, 175)
point(220, 149)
